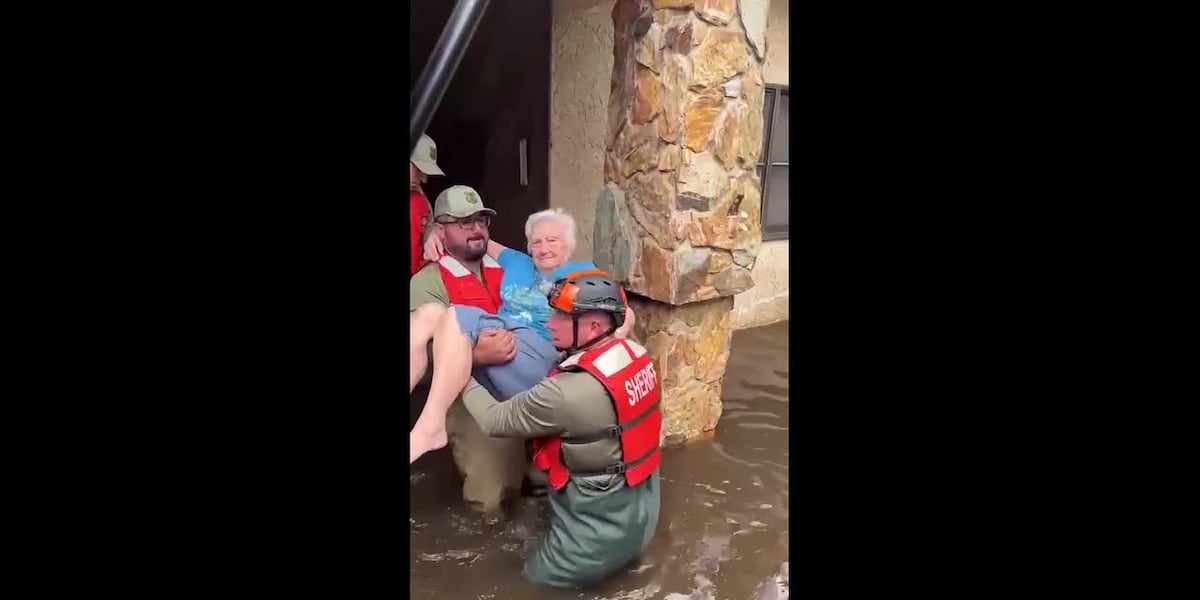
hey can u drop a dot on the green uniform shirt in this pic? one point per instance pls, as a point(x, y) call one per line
point(427, 286)
point(546, 411)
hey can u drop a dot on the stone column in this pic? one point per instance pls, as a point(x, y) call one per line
point(678, 220)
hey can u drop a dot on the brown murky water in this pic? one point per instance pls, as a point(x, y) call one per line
point(723, 528)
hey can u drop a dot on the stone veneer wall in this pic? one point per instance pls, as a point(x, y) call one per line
point(581, 71)
point(679, 218)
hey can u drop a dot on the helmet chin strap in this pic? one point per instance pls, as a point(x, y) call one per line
point(575, 336)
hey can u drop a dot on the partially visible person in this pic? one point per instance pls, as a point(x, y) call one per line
point(524, 311)
point(596, 422)
point(421, 165)
point(491, 467)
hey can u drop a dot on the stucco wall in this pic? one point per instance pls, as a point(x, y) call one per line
point(767, 301)
point(580, 71)
point(775, 67)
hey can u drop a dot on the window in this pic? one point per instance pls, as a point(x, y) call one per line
point(773, 163)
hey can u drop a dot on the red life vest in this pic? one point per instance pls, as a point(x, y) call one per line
point(465, 289)
point(418, 220)
point(625, 369)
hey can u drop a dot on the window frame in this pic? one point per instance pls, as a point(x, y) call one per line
point(774, 91)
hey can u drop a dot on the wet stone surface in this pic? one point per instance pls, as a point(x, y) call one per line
point(723, 529)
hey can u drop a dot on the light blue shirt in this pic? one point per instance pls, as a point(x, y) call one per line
point(523, 289)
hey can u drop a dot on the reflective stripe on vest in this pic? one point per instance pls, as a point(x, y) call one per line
point(465, 289)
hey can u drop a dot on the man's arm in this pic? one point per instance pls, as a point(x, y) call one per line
point(494, 347)
point(529, 414)
point(630, 319)
point(495, 249)
point(426, 286)
point(428, 229)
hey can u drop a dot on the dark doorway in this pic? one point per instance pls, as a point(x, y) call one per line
point(497, 104)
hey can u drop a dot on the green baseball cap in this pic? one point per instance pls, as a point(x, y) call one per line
point(425, 156)
point(459, 201)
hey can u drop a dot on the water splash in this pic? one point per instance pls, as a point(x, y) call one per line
point(776, 587)
point(648, 592)
point(719, 450)
point(762, 426)
point(710, 488)
point(750, 413)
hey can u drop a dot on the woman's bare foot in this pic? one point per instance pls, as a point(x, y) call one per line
point(422, 440)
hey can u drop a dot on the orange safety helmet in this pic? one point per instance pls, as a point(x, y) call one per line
point(583, 291)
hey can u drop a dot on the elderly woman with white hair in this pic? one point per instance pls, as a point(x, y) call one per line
point(524, 311)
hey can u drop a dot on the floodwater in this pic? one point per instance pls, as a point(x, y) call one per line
point(723, 527)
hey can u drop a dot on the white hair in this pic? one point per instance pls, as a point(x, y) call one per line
point(553, 214)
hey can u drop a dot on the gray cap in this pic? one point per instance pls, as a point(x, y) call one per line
point(425, 156)
point(459, 201)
